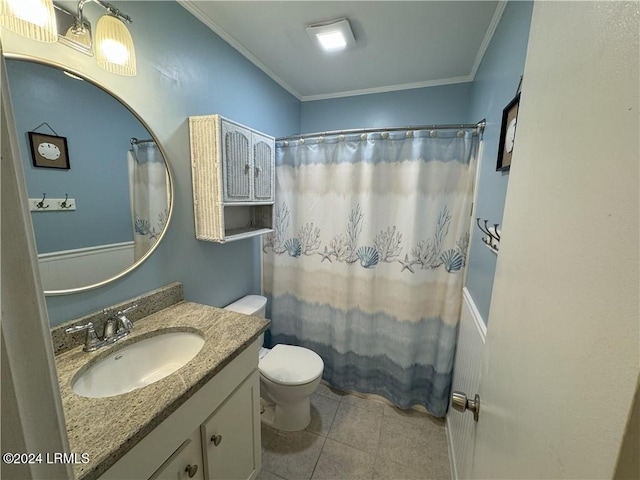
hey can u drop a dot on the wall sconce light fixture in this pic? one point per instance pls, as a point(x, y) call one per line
point(112, 43)
point(33, 19)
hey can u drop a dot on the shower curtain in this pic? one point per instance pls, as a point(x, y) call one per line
point(365, 264)
point(148, 192)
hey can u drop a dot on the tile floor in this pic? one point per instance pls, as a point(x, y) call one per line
point(353, 438)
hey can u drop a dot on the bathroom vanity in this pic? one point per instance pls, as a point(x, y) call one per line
point(201, 422)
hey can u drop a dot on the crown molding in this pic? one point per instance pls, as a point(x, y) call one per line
point(388, 88)
point(495, 20)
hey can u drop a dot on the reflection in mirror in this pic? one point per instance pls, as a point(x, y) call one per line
point(117, 178)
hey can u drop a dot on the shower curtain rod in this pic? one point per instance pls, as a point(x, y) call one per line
point(479, 126)
point(135, 141)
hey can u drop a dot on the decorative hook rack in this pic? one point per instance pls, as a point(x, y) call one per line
point(65, 204)
point(41, 204)
point(492, 239)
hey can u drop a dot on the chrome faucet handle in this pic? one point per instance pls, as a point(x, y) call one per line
point(91, 342)
point(124, 324)
point(126, 310)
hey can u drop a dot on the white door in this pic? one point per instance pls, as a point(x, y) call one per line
point(562, 354)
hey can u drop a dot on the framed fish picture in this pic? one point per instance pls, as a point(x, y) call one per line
point(49, 151)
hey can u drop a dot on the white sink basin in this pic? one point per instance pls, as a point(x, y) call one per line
point(138, 364)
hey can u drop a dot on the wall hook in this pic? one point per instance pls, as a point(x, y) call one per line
point(64, 203)
point(492, 239)
point(41, 204)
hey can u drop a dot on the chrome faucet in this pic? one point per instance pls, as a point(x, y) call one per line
point(116, 326)
point(91, 342)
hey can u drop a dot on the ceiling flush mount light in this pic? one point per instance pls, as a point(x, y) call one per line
point(332, 35)
point(33, 19)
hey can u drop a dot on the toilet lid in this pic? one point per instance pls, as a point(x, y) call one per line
point(291, 365)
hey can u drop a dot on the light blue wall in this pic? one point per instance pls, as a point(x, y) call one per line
point(192, 72)
point(98, 129)
point(419, 106)
point(494, 87)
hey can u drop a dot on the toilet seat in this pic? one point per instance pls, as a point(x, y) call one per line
point(291, 365)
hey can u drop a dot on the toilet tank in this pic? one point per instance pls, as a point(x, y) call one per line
point(250, 305)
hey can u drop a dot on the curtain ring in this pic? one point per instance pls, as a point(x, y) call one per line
point(433, 133)
point(341, 138)
point(320, 139)
point(409, 134)
point(363, 136)
point(384, 135)
point(301, 141)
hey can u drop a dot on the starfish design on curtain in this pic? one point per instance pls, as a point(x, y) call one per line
point(326, 255)
point(407, 264)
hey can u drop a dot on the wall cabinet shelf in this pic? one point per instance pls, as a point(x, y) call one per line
point(233, 172)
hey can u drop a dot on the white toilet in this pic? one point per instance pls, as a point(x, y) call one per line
point(288, 375)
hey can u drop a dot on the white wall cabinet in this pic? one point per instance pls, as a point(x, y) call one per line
point(214, 435)
point(233, 173)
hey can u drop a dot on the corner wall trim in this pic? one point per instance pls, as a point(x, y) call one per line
point(479, 321)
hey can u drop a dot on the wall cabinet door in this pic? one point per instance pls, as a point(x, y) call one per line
point(231, 436)
point(237, 163)
point(184, 464)
point(263, 165)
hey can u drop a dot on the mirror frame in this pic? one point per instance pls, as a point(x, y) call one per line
point(141, 260)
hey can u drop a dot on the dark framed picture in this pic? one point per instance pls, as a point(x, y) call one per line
point(49, 151)
point(508, 134)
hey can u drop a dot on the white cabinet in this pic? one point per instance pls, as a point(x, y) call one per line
point(248, 159)
point(185, 463)
point(233, 173)
point(264, 160)
point(214, 435)
point(225, 433)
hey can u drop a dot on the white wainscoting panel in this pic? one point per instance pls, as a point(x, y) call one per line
point(84, 266)
point(466, 379)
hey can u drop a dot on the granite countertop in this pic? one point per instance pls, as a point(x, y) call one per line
point(106, 428)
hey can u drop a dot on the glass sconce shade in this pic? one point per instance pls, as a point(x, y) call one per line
point(34, 19)
point(113, 46)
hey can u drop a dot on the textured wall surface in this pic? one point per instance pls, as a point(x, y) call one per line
point(98, 130)
point(420, 106)
point(494, 87)
point(190, 72)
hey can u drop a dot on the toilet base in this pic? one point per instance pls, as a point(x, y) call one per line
point(290, 417)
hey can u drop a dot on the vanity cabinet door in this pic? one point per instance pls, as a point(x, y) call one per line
point(231, 436)
point(263, 167)
point(237, 163)
point(185, 463)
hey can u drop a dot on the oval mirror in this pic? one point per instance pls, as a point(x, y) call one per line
point(100, 189)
